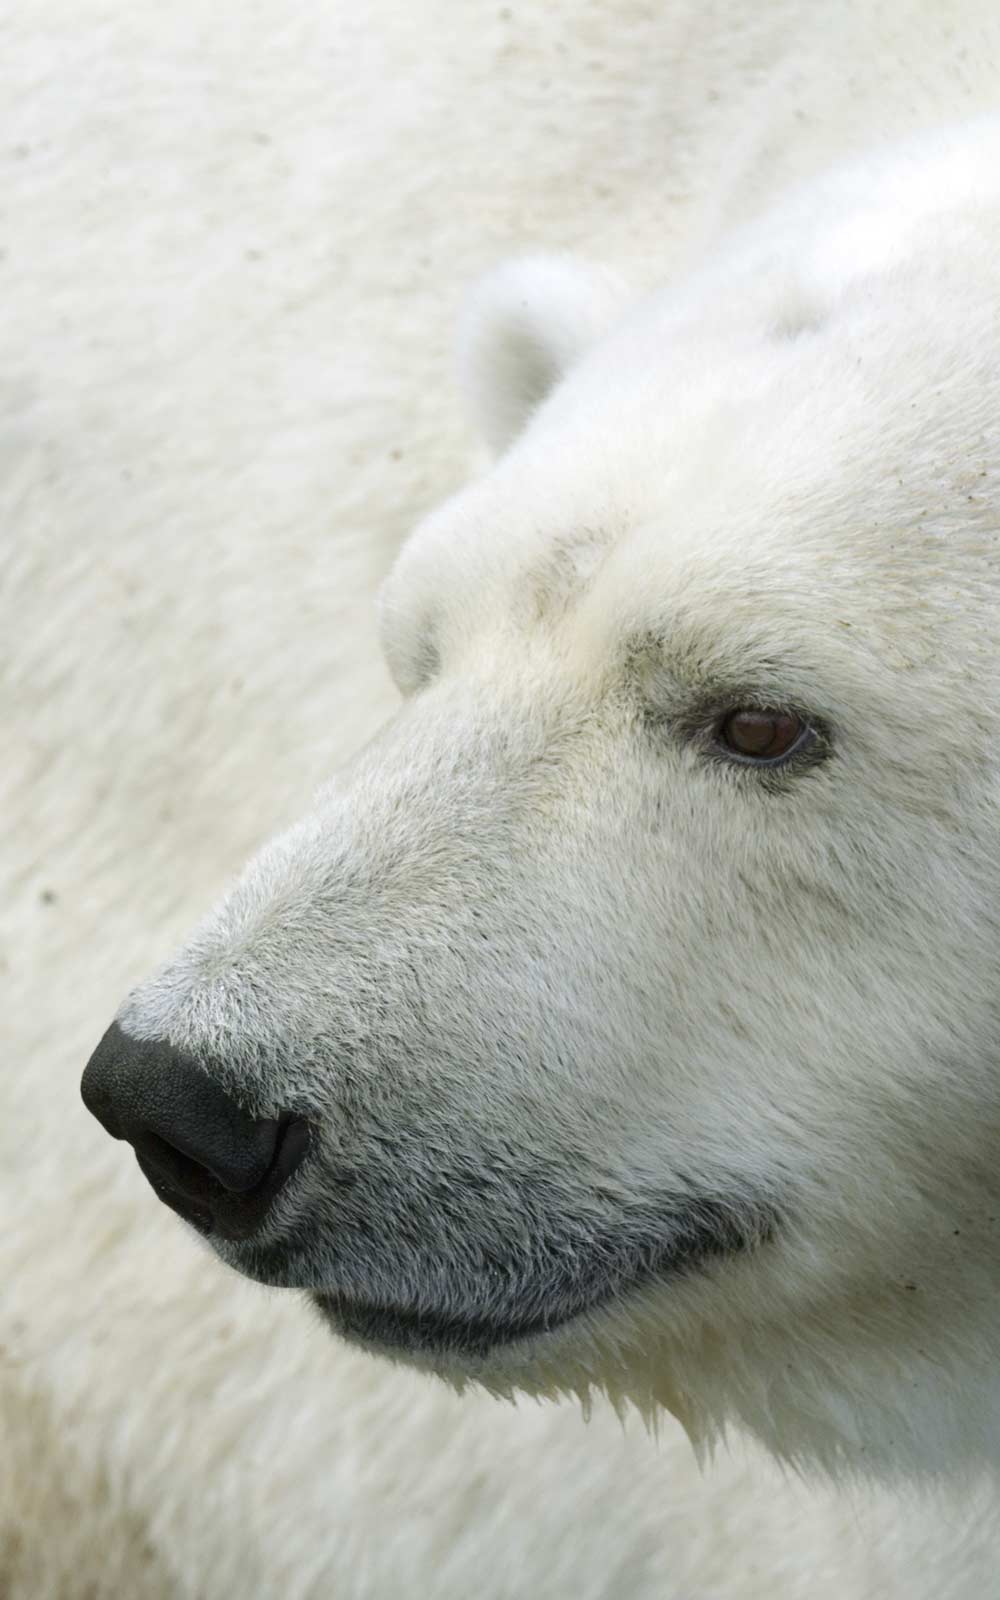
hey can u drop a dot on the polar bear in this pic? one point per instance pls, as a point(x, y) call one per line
point(623, 1016)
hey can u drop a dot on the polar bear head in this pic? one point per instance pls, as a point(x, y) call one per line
point(632, 996)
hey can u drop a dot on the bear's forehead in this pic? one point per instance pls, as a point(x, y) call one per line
point(848, 475)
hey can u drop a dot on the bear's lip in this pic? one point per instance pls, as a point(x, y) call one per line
point(428, 1332)
point(471, 1334)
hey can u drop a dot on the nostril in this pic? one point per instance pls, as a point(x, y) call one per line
point(237, 1158)
point(187, 1173)
point(183, 1169)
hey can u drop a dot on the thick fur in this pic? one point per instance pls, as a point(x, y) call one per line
point(231, 274)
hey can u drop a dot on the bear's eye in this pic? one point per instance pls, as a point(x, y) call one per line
point(762, 736)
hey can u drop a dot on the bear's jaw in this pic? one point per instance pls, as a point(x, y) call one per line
point(490, 1318)
point(403, 1331)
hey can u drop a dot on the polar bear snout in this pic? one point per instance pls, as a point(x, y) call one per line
point(214, 1164)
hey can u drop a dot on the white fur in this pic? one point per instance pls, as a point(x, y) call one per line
point(225, 378)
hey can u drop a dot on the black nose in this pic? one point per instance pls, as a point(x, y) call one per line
point(215, 1165)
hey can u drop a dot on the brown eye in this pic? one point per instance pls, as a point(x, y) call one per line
point(761, 735)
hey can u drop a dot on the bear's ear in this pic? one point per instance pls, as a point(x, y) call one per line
point(524, 327)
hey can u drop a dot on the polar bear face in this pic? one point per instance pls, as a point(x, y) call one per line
point(638, 981)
